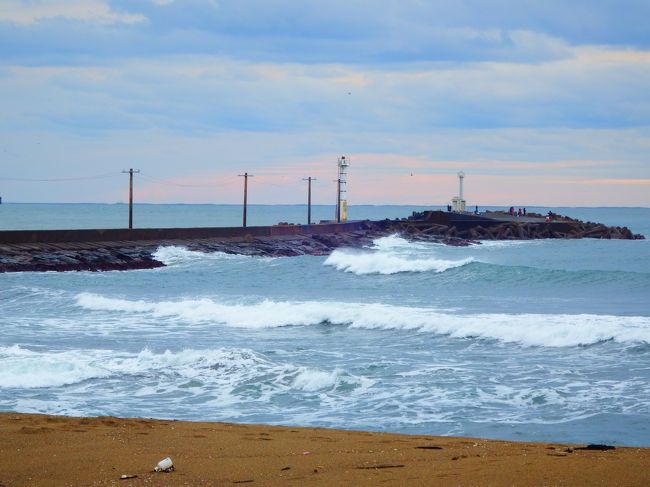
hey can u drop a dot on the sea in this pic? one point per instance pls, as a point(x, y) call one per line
point(544, 340)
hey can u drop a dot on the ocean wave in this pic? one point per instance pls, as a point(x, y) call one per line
point(225, 369)
point(362, 263)
point(175, 255)
point(391, 255)
point(510, 243)
point(548, 330)
point(27, 369)
point(395, 242)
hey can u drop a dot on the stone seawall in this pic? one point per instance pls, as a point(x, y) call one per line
point(121, 249)
point(144, 234)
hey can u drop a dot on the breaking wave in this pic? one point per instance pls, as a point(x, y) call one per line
point(390, 255)
point(361, 263)
point(224, 368)
point(548, 330)
point(174, 255)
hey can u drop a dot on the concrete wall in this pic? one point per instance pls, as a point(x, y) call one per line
point(110, 235)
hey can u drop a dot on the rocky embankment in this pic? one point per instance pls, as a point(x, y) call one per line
point(104, 256)
point(501, 226)
point(437, 227)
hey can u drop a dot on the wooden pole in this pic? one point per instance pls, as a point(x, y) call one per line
point(245, 176)
point(131, 199)
point(130, 172)
point(245, 196)
point(309, 180)
point(309, 202)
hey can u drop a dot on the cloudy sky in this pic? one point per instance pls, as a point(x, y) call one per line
point(538, 102)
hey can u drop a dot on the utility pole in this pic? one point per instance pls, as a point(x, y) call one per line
point(245, 176)
point(309, 179)
point(130, 173)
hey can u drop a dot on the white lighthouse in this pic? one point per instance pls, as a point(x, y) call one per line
point(458, 202)
point(342, 190)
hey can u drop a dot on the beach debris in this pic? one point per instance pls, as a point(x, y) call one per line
point(381, 465)
point(164, 465)
point(247, 481)
point(285, 468)
point(306, 453)
point(429, 447)
point(596, 447)
point(127, 477)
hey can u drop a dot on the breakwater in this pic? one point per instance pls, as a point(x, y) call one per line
point(123, 249)
point(503, 226)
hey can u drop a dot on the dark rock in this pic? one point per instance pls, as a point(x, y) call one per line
point(596, 447)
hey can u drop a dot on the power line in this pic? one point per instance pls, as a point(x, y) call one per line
point(56, 180)
point(170, 183)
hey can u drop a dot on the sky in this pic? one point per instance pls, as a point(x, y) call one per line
point(538, 102)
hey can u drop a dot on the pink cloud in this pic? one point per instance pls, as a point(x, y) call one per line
point(617, 182)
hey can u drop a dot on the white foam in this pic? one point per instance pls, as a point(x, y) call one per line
point(509, 243)
point(27, 369)
point(391, 255)
point(395, 242)
point(550, 330)
point(313, 380)
point(386, 263)
point(175, 255)
point(223, 368)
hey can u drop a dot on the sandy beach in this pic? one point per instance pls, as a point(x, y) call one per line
point(52, 450)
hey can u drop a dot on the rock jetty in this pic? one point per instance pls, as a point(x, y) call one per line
point(139, 254)
point(503, 226)
point(433, 226)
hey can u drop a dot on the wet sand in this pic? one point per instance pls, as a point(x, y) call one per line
point(58, 451)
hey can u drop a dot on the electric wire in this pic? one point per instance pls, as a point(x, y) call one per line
point(56, 180)
point(183, 185)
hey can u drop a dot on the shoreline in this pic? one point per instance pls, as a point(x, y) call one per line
point(55, 450)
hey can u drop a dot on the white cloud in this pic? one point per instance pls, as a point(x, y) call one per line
point(22, 12)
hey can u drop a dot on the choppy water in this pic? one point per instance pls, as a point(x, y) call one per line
point(540, 340)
